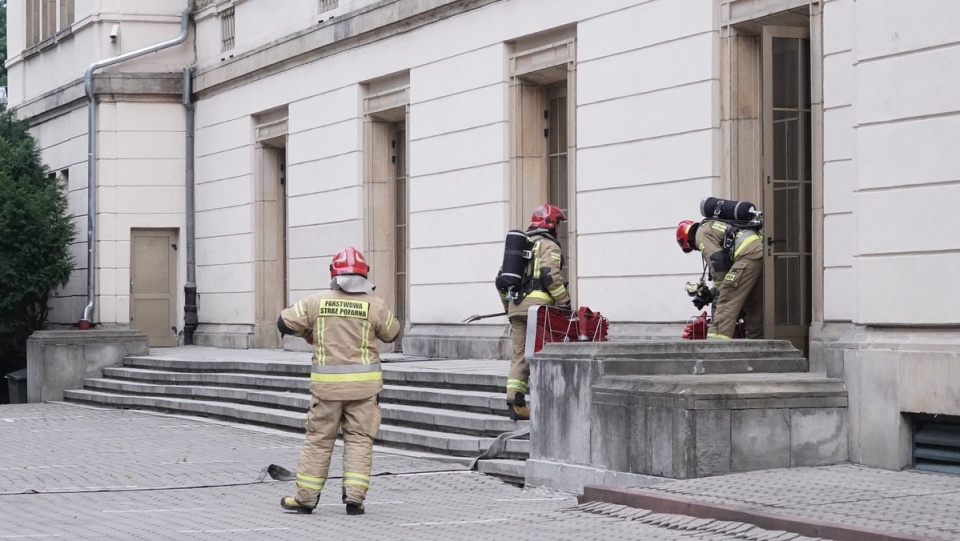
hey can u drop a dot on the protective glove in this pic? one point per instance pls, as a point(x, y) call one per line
point(565, 306)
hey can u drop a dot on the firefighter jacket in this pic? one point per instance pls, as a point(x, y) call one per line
point(345, 328)
point(546, 284)
point(744, 244)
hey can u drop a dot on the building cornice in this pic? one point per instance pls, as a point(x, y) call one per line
point(107, 87)
point(364, 26)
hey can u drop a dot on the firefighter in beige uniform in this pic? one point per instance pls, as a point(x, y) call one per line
point(545, 287)
point(343, 325)
point(736, 271)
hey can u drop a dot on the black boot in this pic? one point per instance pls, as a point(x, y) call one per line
point(290, 503)
point(355, 509)
point(518, 407)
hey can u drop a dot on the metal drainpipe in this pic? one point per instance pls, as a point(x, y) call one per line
point(190, 319)
point(86, 321)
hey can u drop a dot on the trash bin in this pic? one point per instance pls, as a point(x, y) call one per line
point(17, 385)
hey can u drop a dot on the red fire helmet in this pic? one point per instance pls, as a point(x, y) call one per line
point(683, 236)
point(547, 217)
point(349, 261)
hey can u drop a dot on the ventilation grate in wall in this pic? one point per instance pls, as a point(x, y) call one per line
point(936, 444)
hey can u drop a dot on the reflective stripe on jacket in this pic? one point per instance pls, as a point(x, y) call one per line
point(345, 328)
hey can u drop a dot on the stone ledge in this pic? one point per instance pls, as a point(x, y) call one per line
point(574, 477)
point(660, 502)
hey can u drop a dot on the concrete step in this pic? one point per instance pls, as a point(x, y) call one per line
point(679, 357)
point(399, 373)
point(456, 399)
point(431, 418)
point(511, 471)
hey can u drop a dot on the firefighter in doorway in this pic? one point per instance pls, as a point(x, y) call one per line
point(543, 285)
point(734, 258)
point(343, 325)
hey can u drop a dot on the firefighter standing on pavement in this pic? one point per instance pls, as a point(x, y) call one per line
point(343, 325)
point(544, 287)
point(733, 256)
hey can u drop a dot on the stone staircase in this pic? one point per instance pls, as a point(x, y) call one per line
point(437, 411)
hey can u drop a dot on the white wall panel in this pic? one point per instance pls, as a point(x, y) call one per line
point(325, 174)
point(838, 25)
point(908, 86)
point(228, 221)
point(839, 80)
point(839, 240)
point(325, 207)
point(641, 207)
point(479, 224)
point(839, 181)
point(225, 308)
point(914, 219)
point(475, 263)
point(838, 294)
point(838, 135)
point(330, 107)
point(236, 278)
point(477, 185)
point(227, 135)
point(225, 250)
point(324, 240)
point(452, 303)
point(150, 145)
point(231, 192)
point(666, 112)
point(150, 199)
point(638, 299)
point(665, 65)
point(634, 253)
point(460, 150)
point(149, 172)
point(457, 112)
point(646, 24)
point(886, 27)
point(332, 140)
point(228, 164)
point(908, 153)
point(459, 73)
point(309, 273)
point(650, 161)
point(913, 289)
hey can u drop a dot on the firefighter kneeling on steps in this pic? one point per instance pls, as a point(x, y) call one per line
point(343, 325)
point(733, 256)
point(542, 285)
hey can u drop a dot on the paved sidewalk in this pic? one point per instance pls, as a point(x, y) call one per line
point(871, 503)
point(76, 472)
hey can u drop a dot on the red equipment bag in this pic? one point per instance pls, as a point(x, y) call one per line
point(557, 325)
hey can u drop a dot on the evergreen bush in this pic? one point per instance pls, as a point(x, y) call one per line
point(35, 235)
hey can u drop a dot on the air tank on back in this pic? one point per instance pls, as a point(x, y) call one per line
point(728, 209)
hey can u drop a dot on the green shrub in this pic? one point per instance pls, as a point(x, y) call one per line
point(35, 235)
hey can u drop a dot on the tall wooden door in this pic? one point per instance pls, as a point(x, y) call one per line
point(153, 285)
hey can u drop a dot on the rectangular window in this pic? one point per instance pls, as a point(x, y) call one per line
point(45, 18)
point(227, 30)
point(329, 5)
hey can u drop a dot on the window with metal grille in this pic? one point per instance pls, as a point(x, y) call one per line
point(45, 18)
point(328, 5)
point(227, 30)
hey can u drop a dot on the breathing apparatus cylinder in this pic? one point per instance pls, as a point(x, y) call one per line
point(725, 209)
point(516, 254)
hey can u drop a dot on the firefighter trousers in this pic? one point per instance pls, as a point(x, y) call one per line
point(359, 421)
point(739, 290)
point(519, 376)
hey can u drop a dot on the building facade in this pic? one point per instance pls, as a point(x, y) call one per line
point(420, 131)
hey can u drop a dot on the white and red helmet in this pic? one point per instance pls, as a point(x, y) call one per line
point(349, 261)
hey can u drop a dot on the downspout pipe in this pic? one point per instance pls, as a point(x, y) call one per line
point(190, 319)
point(86, 321)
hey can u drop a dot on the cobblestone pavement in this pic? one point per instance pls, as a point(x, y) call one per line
point(73, 472)
point(911, 502)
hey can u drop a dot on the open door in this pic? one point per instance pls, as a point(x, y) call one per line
point(787, 184)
